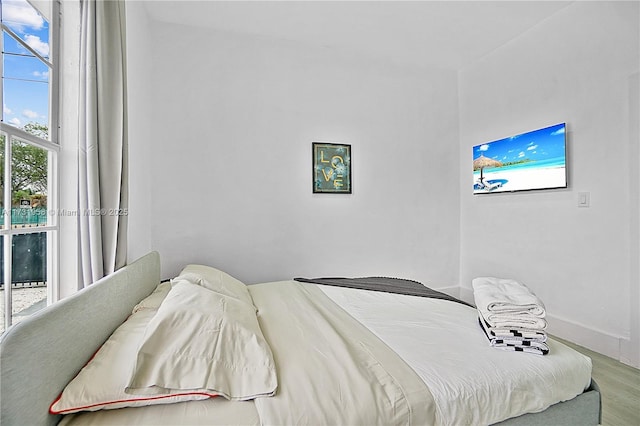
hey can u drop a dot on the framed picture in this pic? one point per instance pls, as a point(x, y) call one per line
point(331, 168)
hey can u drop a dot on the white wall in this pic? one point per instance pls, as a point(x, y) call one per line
point(578, 67)
point(631, 348)
point(228, 156)
point(140, 103)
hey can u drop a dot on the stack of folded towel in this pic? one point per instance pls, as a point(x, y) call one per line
point(510, 314)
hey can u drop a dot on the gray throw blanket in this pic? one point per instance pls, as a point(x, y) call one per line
point(388, 285)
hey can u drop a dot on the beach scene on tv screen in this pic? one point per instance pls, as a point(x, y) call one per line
point(531, 160)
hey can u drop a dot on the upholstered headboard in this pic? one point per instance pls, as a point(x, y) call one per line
point(41, 354)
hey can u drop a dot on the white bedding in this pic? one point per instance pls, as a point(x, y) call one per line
point(208, 412)
point(441, 341)
point(331, 369)
point(204, 342)
point(471, 382)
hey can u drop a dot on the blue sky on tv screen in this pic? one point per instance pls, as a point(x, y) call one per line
point(543, 144)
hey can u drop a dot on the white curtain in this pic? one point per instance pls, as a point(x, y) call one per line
point(103, 163)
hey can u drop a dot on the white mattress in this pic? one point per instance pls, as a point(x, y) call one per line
point(444, 344)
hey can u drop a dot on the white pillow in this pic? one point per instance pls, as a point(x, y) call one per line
point(204, 342)
point(216, 280)
point(101, 383)
point(154, 300)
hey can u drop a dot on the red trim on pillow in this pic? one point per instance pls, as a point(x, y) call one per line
point(152, 398)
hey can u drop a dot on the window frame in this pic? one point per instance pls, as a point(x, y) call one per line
point(52, 147)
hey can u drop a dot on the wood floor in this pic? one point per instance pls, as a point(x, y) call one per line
point(619, 386)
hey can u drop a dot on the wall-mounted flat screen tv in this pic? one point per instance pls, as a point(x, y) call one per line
point(528, 161)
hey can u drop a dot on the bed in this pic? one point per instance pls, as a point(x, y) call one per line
point(301, 353)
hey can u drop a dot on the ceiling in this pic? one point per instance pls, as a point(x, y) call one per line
point(444, 34)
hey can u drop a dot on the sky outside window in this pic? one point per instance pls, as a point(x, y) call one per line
point(25, 76)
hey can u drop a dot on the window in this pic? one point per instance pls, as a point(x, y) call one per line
point(28, 158)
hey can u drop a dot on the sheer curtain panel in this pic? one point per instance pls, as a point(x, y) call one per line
point(103, 163)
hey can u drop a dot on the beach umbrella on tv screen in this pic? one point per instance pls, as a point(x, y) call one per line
point(482, 162)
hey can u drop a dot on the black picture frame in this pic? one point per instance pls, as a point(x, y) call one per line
point(331, 168)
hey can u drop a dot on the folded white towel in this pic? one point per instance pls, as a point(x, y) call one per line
point(514, 319)
point(518, 344)
point(499, 295)
point(513, 332)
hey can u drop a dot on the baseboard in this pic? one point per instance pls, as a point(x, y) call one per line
point(596, 340)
